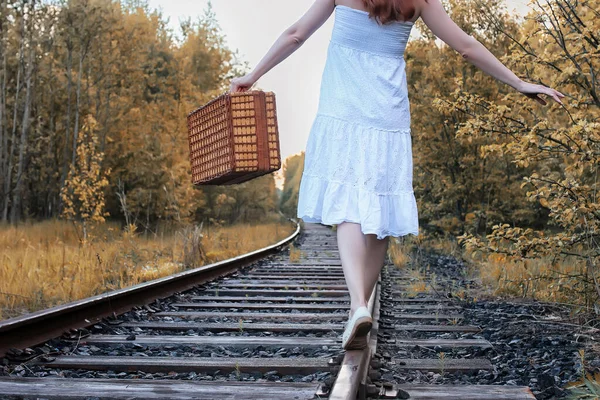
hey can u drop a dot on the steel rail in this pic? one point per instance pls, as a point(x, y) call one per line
point(36, 327)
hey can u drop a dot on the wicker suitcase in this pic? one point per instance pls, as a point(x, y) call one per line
point(234, 138)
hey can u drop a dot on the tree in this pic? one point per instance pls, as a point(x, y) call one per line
point(83, 192)
point(454, 184)
point(292, 172)
point(557, 46)
point(118, 62)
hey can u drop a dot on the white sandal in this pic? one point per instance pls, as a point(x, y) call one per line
point(357, 329)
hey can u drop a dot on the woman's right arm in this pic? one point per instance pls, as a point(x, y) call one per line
point(288, 42)
point(435, 17)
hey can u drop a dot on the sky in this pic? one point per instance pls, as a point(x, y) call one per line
point(251, 27)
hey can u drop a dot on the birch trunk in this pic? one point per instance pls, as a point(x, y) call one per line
point(51, 198)
point(15, 209)
point(10, 150)
point(63, 176)
point(77, 107)
point(54, 164)
point(105, 123)
point(3, 134)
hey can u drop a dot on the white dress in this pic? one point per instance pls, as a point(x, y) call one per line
point(358, 163)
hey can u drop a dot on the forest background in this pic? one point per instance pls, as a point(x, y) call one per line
point(94, 167)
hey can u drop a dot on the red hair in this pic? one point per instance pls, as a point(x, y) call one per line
point(385, 11)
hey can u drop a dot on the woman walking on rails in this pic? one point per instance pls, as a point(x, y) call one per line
point(358, 161)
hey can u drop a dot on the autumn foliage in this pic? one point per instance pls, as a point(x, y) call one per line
point(63, 63)
point(503, 173)
point(515, 182)
point(83, 192)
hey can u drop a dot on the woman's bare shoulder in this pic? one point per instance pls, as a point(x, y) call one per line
point(419, 6)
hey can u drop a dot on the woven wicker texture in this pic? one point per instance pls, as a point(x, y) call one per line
point(234, 138)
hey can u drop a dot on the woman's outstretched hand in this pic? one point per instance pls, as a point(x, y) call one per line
point(532, 91)
point(242, 84)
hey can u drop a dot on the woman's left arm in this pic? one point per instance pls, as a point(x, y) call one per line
point(287, 43)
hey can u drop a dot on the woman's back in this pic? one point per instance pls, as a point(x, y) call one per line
point(364, 79)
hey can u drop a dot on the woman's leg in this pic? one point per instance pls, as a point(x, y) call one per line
point(352, 245)
point(362, 258)
point(376, 253)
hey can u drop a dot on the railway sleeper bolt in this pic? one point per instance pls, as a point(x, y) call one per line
point(322, 391)
point(337, 360)
point(372, 390)
point(374, 375)
point(393, 393)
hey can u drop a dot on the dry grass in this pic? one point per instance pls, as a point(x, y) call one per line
point(446, 245)
point(544, 278)
point(418, 284)
point(400, 252)
point(397, 254)
point(44, 264)
point(399, 249)
point(295, 254)
point(541, 279)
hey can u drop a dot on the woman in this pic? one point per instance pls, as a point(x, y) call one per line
point(358, 161)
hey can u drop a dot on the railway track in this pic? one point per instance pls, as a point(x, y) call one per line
point(424, 339)
point(264, 326)
point(256, 327)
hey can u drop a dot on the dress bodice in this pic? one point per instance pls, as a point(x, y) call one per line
point(353, 28)
point(364, 79)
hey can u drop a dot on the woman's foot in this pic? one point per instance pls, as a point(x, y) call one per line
point(357, 329)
